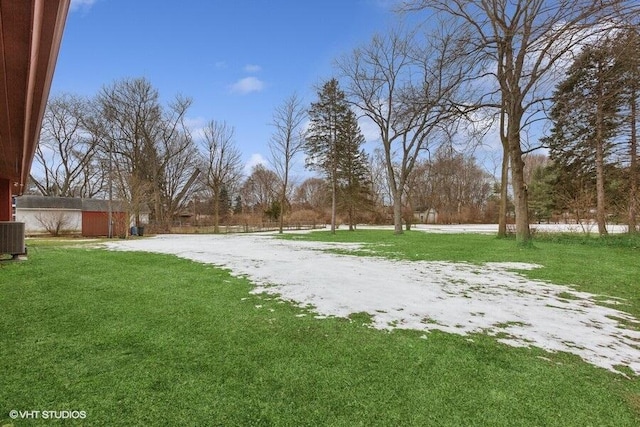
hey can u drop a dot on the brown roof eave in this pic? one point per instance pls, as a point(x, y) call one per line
point(49, 20)
point(30, 38)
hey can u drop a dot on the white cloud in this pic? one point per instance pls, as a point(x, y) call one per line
point(247, 85)
point(251, 68)
point(255, 160)
point(81, 4)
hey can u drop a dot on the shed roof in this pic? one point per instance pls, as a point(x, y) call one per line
point(97, 205)
point(44, 202)
point(69, 203)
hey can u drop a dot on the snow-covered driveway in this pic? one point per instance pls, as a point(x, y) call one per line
point(452, 297)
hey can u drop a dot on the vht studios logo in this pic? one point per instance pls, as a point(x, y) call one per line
point(48, 415)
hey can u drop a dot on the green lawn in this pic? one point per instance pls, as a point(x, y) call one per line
point(142, 339)
point(603, 266)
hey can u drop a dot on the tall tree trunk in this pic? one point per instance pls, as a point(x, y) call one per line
point(396, 188)
point(216, 212)
point(333, 205)
point(160, 220)
point(504, 179)
point(409, 217)
point(351, 215)
point(281, 219)
point(599, 141)
point(334, 174)
point(283, 201)
point(523, 233)
point(504, 193)
point(397, 212)
point(633, 167)
point(601, 218)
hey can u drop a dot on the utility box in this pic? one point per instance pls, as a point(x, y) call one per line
point(12, 238)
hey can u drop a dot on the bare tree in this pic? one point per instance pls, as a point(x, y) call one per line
point(380, 191)
point(147, 146)
point(53, 222)
point(130, 122)
point(177, 169)
point(286, 142)
point(222, 163)
point(312, 194)
point(261, 188)
point(407, 89)
point(459, 188)
point(421, 192)
point(66, 154)
point(525, 40)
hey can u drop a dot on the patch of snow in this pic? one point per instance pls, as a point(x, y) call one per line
point(457, 298)
point(538, 228)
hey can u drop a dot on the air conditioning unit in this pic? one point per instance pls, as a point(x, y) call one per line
point(12, 238)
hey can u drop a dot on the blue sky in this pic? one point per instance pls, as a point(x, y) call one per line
point(237, 59)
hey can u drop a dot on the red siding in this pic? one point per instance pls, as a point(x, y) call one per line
point(96, 224)
point(5, 200)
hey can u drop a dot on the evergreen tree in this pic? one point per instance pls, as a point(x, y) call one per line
point(542, 193)
point(353, 171)
point(325, 137)
point(585, 120)
point(334, 147)
point(274, 211)
point(627, 48)
point(224, 203)
point(237, 205)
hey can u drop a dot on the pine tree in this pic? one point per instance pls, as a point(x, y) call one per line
point(353, 171)
point(627, 49)
point(585, 119)
point(224, 203)
point(237, 205)
point(324, 137)
point(542, 192)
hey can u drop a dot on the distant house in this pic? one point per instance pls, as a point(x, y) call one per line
point(88, 217)
point(426, 216)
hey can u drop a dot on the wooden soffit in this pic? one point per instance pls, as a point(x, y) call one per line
point(30, 36)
